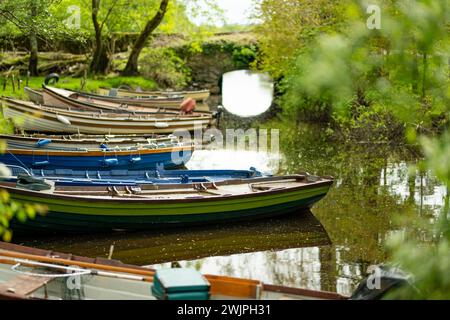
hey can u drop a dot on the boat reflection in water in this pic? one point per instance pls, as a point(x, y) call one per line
point(270, 250)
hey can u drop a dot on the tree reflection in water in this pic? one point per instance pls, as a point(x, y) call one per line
point(374, 187)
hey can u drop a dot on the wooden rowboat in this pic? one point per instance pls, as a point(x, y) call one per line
point(199, 95)
point(105, 209)
point(143, 101)
point(68, 177)
point(42, 119)
point(28, 273)
point(35, 95)
point(76, 142)
point(168, 155)
point(73, 100)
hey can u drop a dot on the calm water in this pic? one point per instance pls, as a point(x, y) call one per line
point(328, 249)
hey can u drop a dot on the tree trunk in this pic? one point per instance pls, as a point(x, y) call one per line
point(100, 60)
point(424, 75)
point(33, 63)
point(132, 65)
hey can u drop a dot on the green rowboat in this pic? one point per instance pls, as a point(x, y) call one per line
point(99, 209)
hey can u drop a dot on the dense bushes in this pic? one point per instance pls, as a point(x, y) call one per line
point(165, 67)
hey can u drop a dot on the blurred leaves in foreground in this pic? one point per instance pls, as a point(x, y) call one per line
point(354, 77)
point(10, 209)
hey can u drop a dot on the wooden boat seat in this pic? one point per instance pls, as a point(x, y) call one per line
point(24, 285)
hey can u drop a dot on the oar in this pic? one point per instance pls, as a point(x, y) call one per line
point(75, 271)
point(149, 273)
point(219, 284)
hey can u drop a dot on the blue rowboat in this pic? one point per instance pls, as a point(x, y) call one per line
point(170, 156)
point(64, 177)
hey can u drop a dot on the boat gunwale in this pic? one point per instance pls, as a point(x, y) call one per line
point(76, 103)
point(99, 153)
point(32, 138)
point(185, 93)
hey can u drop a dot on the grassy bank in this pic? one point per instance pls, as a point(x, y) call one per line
point(91, 85)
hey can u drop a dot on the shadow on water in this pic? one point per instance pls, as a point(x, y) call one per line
point(295, 230)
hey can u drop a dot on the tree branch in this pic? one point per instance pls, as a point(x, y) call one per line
point(108, 14)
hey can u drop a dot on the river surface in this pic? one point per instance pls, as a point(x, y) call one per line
point(328, 248)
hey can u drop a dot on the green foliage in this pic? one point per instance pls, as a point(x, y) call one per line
point(360, 78)
point(123, 15)
point(92, 85)
point(360, 70)
point(245, 56)
point(15, 18)
point(289, 27)
point(10, 209)
point(165, 67)
point(427, 260)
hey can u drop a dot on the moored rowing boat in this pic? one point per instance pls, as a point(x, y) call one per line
point(199, 95)
point(76, 142)
point(73, 99)
point(114, 280)
point(66, 98)
point(149, 157)
point(68, 177)
point(70, 99)
point(43, 119)
point(105, 209)
point(34, 95)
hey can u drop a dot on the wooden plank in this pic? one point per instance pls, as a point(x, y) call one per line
point(23, 285)
point(232, 287)
point(73, 261)
point(304, 292)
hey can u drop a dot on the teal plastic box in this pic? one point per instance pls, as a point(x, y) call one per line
point(180, 284)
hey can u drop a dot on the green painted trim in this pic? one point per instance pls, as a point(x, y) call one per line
point(64, 222)
point(196, 206)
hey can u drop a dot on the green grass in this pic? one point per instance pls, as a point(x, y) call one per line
point(92, 85)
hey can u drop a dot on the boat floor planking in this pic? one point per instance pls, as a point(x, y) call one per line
point(37, 96)
point(180, 192)
point(68, 99)
point(89, 139)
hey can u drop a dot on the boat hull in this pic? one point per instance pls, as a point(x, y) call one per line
point(71, 99)
point(130, 178)
point(34, 95)
point(94, 215)
point(33, 118)
point(200, 95)
point(80, 142)
point(134, 160)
